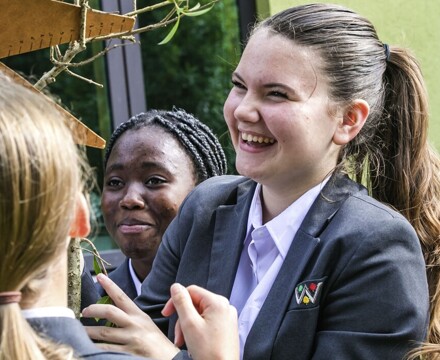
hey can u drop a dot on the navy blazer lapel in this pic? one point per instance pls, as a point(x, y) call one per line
point(122, 277)
point(268, 321)
point(229, 235)
point(263, 331)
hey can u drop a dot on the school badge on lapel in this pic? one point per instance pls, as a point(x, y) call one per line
point(307, 292)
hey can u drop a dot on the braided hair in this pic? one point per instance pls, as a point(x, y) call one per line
point(197, 139)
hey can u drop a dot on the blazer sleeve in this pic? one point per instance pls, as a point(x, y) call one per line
point(185, 251)
point(155, 290)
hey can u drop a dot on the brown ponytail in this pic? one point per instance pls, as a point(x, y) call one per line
point(410, 179)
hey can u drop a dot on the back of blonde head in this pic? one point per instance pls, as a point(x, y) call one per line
point(39, 181)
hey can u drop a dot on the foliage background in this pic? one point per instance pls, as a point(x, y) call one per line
point(193, 71)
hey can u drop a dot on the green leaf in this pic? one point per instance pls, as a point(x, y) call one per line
point(199, 12)
point(195, 7)
point(109, 324)
point(171, 33)
point(107, 301)
point(96, 266)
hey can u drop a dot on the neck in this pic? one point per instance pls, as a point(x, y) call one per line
point(276, 199)
point(52, 290)
point(141, 267)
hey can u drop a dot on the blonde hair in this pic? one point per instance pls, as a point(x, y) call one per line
point(40, 177)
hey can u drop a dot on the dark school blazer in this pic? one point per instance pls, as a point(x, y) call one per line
point(71, 332)
point(353, 284)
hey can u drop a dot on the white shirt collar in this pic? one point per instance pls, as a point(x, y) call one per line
point(50, 311)
point(284, 226)
point(136, 281)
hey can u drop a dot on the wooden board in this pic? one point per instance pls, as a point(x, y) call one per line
point(81, 133)
point(28, 25)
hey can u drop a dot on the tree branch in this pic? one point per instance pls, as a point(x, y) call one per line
point(62, 63)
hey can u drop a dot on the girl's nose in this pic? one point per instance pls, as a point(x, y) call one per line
point(247, 109)
point(133, 198)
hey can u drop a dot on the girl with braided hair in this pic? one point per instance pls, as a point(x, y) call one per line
point(151, 163)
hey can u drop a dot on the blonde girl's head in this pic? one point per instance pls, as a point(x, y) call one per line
point(40, 179)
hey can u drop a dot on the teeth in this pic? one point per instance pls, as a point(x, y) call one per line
point(258, 139)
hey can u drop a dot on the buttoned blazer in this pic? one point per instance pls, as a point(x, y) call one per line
point(366, 258)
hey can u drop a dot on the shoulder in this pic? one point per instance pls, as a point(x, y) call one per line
point(197, 217)
point(365, 225)
point(218, 185)
point(349, 215)
point(111, 355)
point(370, 210)
point(218, 190)
point(353, 198)
point(70, 332)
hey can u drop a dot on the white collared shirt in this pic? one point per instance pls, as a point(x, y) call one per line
point(136, 281)
point(49, 311)
point(264, 251)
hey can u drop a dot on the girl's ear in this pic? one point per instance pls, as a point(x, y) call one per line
point(80, 226)
point(352, 122)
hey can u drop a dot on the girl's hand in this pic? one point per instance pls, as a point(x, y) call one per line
point(135, 332)
point(207, 323)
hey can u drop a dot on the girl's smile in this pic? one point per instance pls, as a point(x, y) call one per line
point(278, 113)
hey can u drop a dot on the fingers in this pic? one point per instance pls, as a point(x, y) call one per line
point(183, 303)
point(169, 308)
point(108, 334)
point(207, 323)
point(204, 299)
point(111, 313)
point(120, 299)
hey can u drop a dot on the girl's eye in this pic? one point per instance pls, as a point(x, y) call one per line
point(154, 181)
point(278, 94)
point(238, 84)
point(114, 183)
